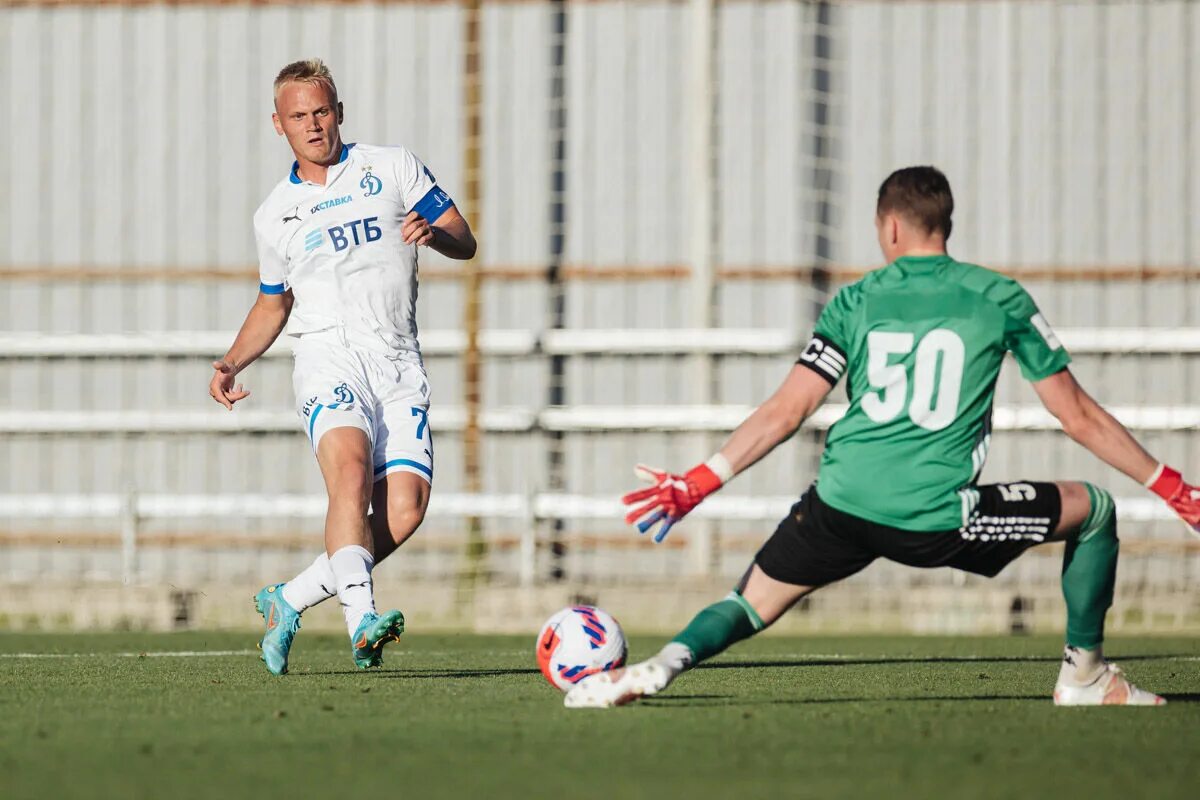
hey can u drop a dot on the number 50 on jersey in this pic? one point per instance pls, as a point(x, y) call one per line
point(937, 372)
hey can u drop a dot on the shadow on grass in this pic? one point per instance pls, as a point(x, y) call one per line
point(460, 673)
point(790, 663)
point(1182, 697)
point(700, 700)
point(419, 673)
point(863, 662)
point(705, 700)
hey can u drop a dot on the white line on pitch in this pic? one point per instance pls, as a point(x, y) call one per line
point(201, 653)
point(148, 654)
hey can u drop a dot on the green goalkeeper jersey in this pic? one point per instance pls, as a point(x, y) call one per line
point(921, 342)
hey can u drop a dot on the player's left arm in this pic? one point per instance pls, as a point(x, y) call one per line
point(1043, 361)
point(433, 220)
point(449, 234)
point(1090, 424)
point(671, 497)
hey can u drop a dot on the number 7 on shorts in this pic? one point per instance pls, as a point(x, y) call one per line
point(424, 415)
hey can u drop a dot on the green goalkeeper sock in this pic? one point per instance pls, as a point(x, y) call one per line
point(1090, 571)
point(717, 627)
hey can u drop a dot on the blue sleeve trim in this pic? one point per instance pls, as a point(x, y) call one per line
point(433, 204)
point(271, 288)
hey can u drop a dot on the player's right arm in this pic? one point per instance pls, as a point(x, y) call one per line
point(776, 420)
point(266, 319)
point(1089, 424)
point(817, 371)
point(671, 497)
point(262, 327)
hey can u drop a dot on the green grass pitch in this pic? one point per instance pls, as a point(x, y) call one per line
point(469, 716)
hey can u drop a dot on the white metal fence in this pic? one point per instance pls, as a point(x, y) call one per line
point(668, 192)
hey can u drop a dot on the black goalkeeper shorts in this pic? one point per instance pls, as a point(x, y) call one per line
point(816, 544)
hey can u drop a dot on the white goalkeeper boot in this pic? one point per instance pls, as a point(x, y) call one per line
point(618, 687)
point(1110, 688)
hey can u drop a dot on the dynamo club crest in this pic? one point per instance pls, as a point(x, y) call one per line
point(371, 184)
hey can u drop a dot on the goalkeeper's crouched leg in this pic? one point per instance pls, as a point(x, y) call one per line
point(754, 605)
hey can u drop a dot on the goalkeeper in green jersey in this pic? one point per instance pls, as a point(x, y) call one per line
point(920, 343)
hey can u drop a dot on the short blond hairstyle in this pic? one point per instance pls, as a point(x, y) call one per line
point(309, 70)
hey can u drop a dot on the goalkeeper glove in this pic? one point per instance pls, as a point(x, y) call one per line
point(672, 496)
point(1183, 498)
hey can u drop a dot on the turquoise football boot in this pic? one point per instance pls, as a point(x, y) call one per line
point(282, 623)
point(372, 634)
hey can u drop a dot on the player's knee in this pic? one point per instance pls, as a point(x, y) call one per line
point(404, 517)
point(1074, 508)
point(349, 483)
point(1101, 520)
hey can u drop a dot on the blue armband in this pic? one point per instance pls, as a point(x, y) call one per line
point(433, 204)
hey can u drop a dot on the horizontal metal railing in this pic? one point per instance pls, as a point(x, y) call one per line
point(131, 510)
point(616, 342)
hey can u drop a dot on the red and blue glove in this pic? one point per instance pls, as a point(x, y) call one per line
point(670, 497)
point(1183, 498)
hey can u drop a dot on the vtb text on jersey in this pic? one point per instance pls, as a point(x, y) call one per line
point(338, 247)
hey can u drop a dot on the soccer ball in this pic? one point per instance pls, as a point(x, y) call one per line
point(579, 641)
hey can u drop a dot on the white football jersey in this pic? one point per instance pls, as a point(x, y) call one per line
point(338, 246)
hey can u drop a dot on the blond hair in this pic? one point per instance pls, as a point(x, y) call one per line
point(309, 70)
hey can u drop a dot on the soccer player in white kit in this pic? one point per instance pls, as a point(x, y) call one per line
point(337, 245)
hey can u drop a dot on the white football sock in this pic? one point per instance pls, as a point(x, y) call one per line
point(676, 658)
point(314, 585)
point(1081, 667)
point(352, 570)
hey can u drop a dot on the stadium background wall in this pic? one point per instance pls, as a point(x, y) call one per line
point(642, 167)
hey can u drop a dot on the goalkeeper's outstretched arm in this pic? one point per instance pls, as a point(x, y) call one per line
point(776, 420)
point(1089, 424)
point(672, 496)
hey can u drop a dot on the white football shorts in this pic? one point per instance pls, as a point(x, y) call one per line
point(388, 399)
